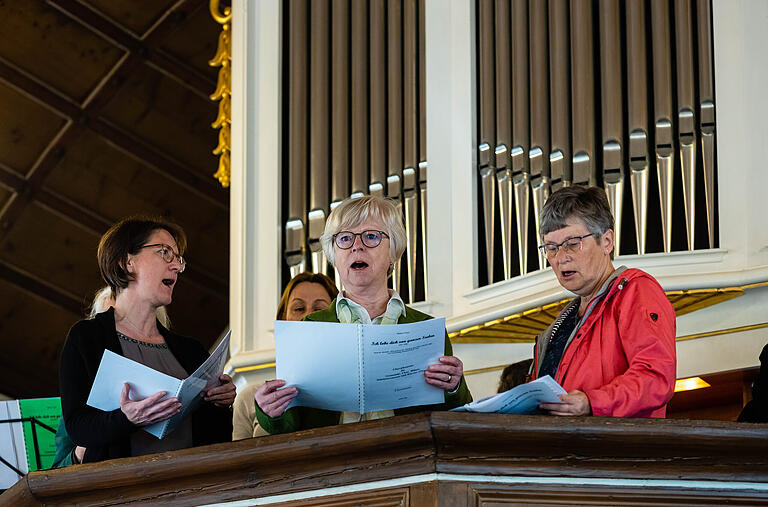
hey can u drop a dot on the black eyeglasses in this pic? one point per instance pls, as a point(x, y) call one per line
point(570, 245)
point(346, 239)
point(167, 253)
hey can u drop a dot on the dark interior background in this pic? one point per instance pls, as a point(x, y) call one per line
point(104, 113)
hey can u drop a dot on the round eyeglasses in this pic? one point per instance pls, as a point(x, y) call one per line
point(167, 253)
point(371, 239)
point(569, 246)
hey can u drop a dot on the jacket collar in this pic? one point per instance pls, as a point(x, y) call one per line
point(329, 315)
point(607, 290)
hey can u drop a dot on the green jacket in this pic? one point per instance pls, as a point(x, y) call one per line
point(65, 447)
point(302, 418)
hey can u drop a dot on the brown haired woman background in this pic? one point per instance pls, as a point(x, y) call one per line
point(140, 259)
point(305, 293)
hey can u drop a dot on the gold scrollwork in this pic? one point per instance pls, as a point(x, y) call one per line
point(223, 92)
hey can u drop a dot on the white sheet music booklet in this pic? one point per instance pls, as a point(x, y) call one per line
point(359, 368)
point(115, 369)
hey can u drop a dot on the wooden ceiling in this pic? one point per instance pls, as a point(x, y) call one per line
point(104, 113)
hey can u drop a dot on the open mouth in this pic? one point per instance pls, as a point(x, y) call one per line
point(168, 282)
point(567, 274)
point(359, 265)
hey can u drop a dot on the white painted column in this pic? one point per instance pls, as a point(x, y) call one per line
point(254, 277)
point(741, 71)
point(451, 151)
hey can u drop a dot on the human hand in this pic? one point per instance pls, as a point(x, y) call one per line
point(272, 401)
point(224, 394)
point(573, 403)
point(79, 453)
point(150, 410)
point(446, 374)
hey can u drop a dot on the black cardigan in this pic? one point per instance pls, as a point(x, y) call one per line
point(106, 435)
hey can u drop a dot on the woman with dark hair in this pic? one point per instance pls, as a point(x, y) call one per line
point(305, 293)
point(67, 453)
point(140, 258)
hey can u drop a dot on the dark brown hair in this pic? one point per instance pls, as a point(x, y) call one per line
point(514, 375)
point(327, 283)
point(127, 237)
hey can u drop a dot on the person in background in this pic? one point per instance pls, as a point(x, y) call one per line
point(514, 375)
point(612, 348)
point(140, 258)
point(67, 453)
point(756, 410)
point(364, 239)
point(304, 294)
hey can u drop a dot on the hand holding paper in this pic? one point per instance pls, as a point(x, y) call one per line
point(446, 374)
point(148, 387)
point(573, 403)
point(150, 410)
point(272, 400)
point(523, 399)
point(223, 395)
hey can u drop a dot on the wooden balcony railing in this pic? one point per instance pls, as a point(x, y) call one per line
point(438, 459)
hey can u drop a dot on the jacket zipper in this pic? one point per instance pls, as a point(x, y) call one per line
point(600, 298)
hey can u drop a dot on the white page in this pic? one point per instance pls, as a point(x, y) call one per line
point(12, 447)
point(206, 376)
point(114, 370)
point(320, 359)
point(395, 358)
point(523, 399)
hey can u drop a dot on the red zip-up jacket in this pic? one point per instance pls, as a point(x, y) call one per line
point(622, 353)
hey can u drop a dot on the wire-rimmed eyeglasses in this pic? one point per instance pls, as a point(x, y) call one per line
point(570, 245)
point(371, 239)
point(167, 253)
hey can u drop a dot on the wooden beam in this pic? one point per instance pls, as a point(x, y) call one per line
point(40, 288)
point(151, 156)
point(93, 223)
point(147, 46)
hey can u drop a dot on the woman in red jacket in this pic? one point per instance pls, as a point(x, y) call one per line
point(612, 348)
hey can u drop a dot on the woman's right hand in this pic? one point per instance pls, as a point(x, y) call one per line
point(272, 401)
point(150, 410)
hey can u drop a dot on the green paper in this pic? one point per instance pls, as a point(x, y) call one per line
point(48, 412)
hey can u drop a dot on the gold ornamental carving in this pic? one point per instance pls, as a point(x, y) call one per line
point(223, 91)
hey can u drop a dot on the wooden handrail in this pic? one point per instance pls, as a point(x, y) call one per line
point(407, 446)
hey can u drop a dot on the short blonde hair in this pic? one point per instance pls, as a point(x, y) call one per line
point(352, 212)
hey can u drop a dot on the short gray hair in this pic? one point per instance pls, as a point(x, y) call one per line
point(589, 204)
point(352, 212)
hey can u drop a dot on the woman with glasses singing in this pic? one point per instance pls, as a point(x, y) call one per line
point(612, 348)
point(364, 238)
point(140, 259)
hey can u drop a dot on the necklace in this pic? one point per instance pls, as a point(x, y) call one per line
point(141, 335)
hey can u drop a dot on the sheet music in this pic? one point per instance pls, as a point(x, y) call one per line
point(115, 369)
point(359, 368)
point(523, 399)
